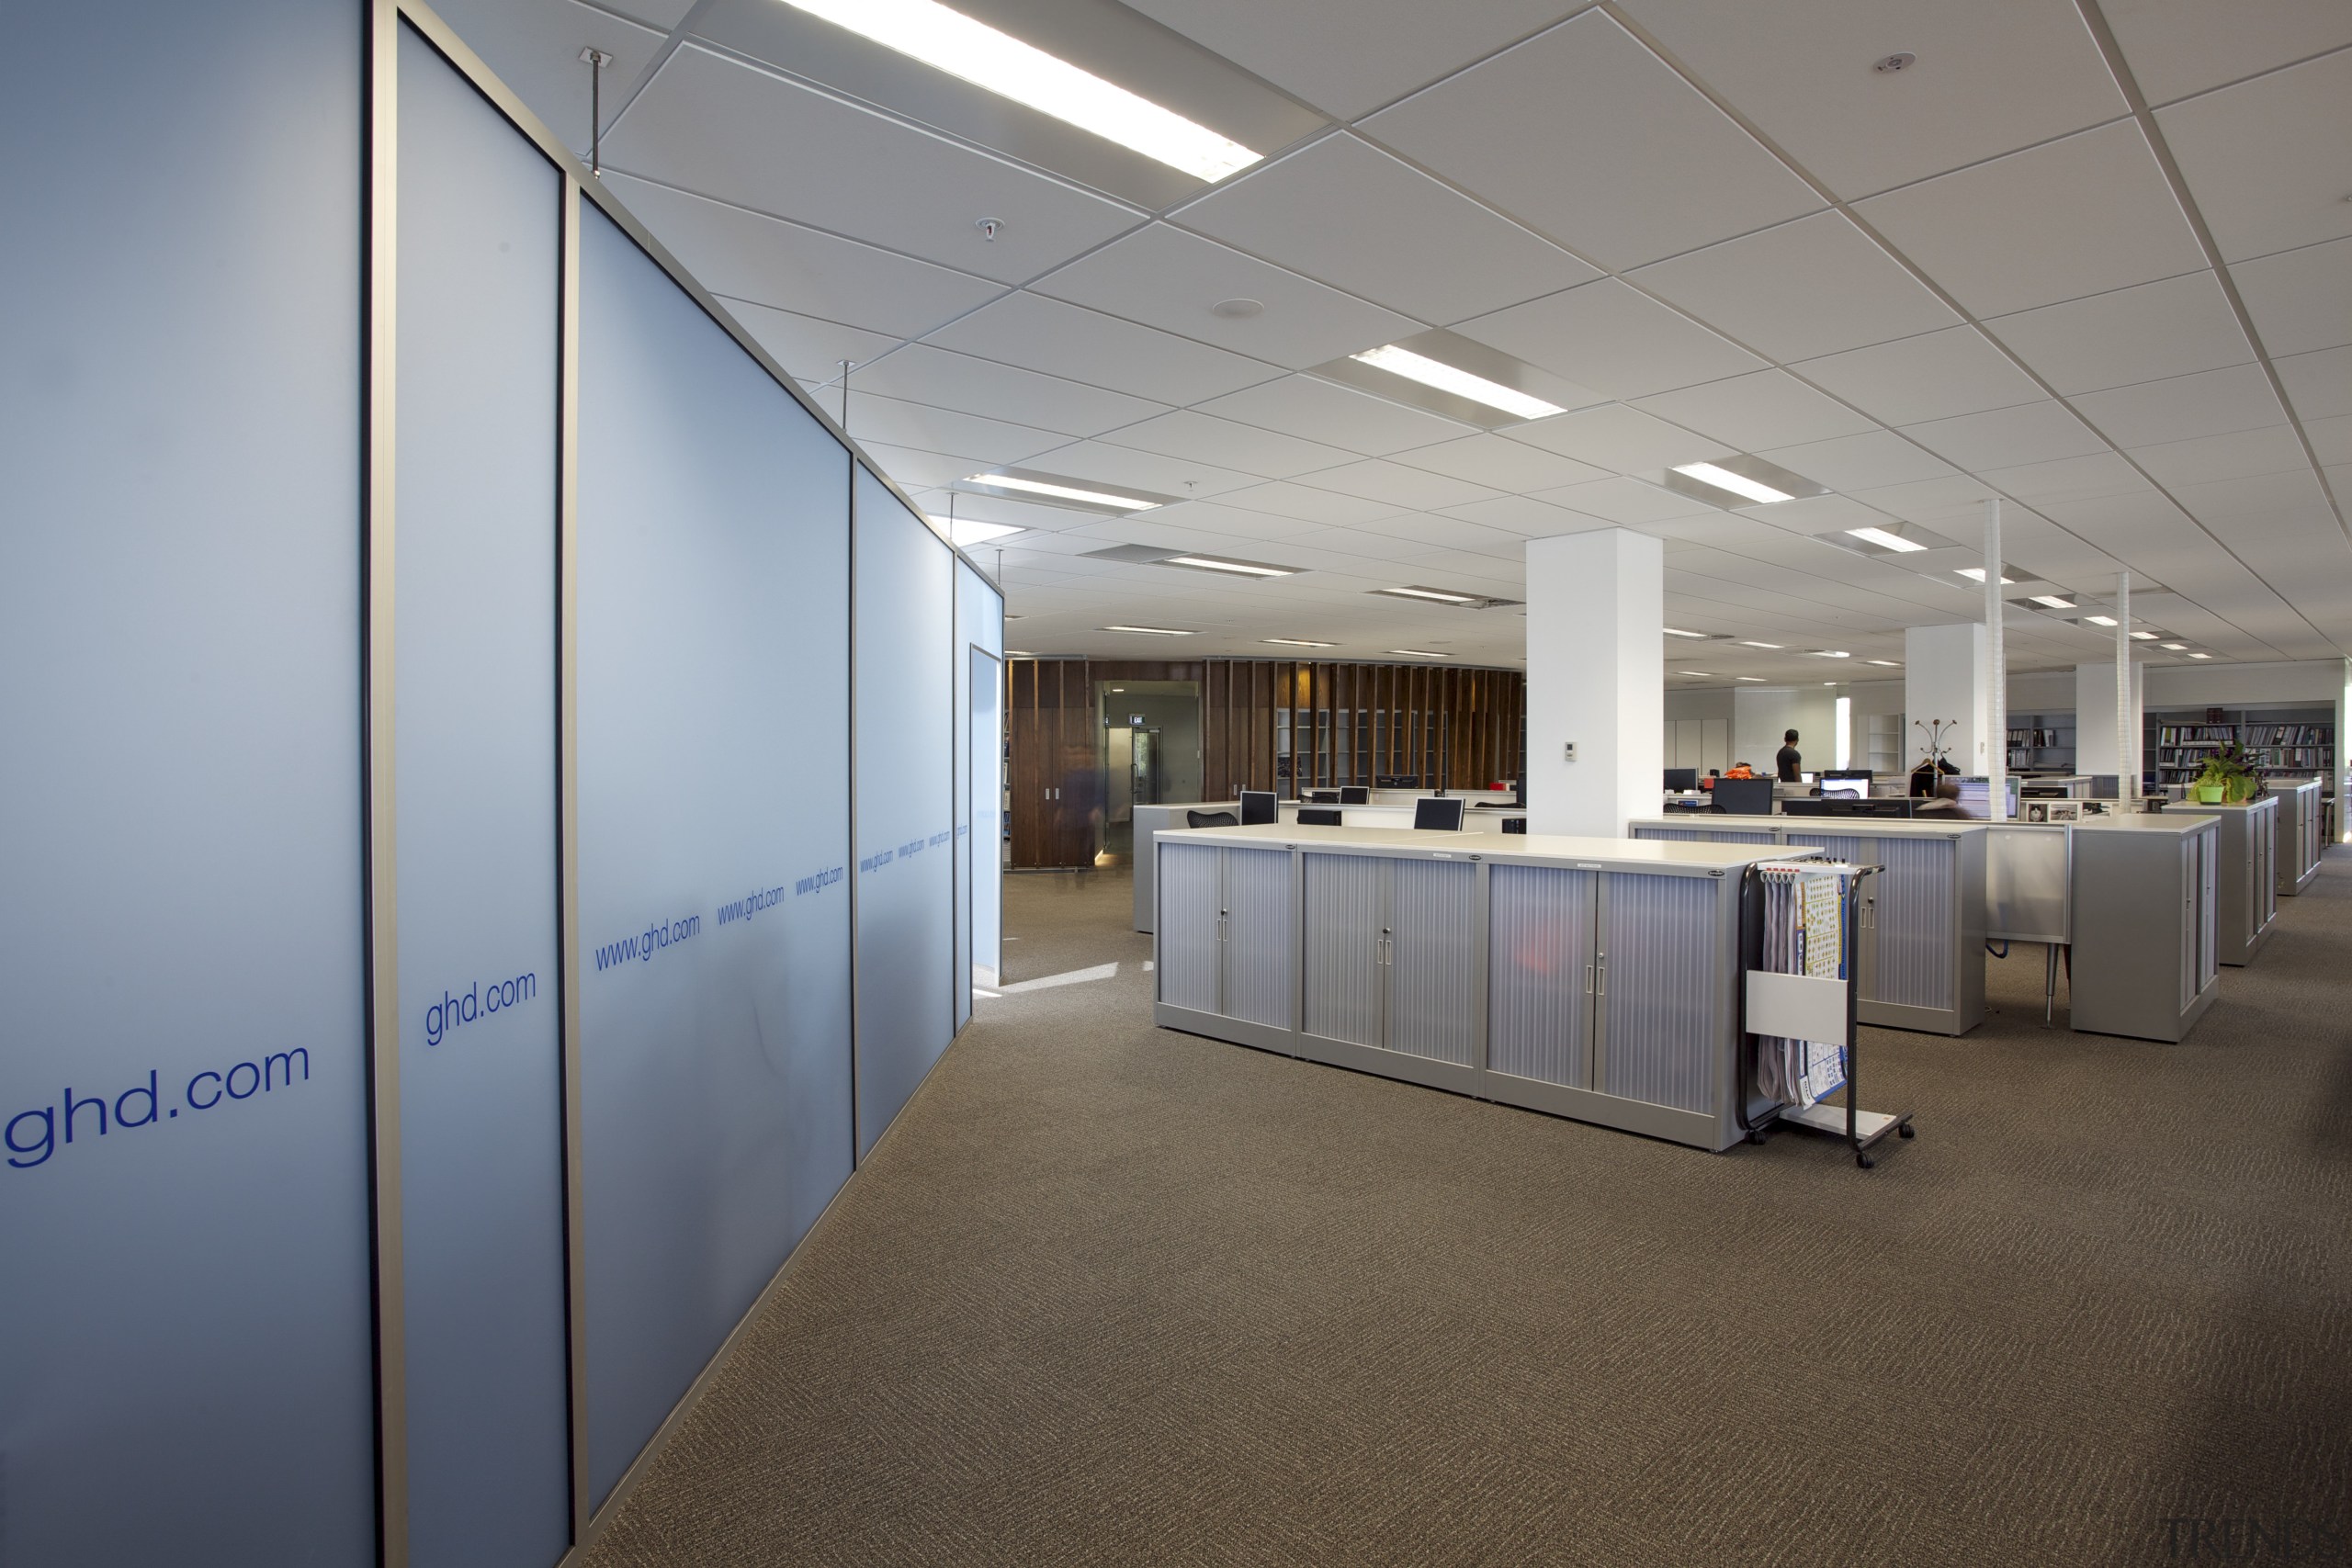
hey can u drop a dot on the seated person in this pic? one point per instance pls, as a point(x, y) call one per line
point(1740, 771)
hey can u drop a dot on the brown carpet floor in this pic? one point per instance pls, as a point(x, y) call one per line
point(1108, 1294)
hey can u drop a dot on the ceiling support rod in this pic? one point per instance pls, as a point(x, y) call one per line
point(1996, 686)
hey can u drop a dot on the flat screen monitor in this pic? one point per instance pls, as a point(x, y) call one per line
point(1682, 779)
point(1744, 798)
point(1323, 798)
point(1441, 816)
point(1355, 794)
point(1320, 817)
point(1259, 808)
point(1834, 788)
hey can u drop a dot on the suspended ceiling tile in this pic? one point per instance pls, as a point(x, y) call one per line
point(2319, 385)
point(915, 469)
point(1317, 410)
point(1989, 79)
point(1236, 522)
point(1287, 498)
point(2331, 438)
point(1526, 130)
point(1429, 530)
point(1348, 57)
point(2180, 408)
point(1767, 408)
point(2237, 455)
point(2173, 327)
point(1357, 545)
point(747, 256)
point(1268, 453)
point(1817, 286)
point(1170, 279)
point(1620, 439)
point(985, 441)
point(1351, 216)
point(1860, 462)
point(1526, 516)
point(1936, 376)
point(534, 47)
point(1929, 502)
point(923, 374)
point(1817, 515)
point(2005, 438)
point(2179, 47)
point(1489, 460)
point(1610, 337)
point(2266, 160)
point(2066, 478)
point(714, 126)
point(1624, 500)
point(2054, 222)
point(809, 349)
point(2301, 299)
point(1115, 466)
point(1078, 345)
point(2292, 496)
point(1378, 480)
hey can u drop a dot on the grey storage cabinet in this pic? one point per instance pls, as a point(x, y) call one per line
point(1920, 942)
point(2146, 955)
point(1595, 978)
point(2301, 839)
point(1226, 953)
point(2245, 877)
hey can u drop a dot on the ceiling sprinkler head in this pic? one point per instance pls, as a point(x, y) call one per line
point(987, 228)
point(1894, 63)
point(1237, 310)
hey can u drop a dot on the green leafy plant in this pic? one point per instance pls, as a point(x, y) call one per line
point(2233, 770)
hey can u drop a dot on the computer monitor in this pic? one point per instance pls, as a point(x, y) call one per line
point(1440, 815)
point(1805, 778)
point(1259, 808)
point(1325, 816)
point(1835, 788)
point(1682, 780)
point(1864, 774)
point(2106, 787)
point(1355, 794)
point(1323, 798)
point(1744, 798)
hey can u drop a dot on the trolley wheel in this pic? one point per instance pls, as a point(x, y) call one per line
point(1865, 1161)
point(1904, 1131)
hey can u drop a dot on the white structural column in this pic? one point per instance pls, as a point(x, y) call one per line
point(1596, 681)
point(2126, 711)
point(1944, 685)
point(1997, 668)
point(2107, 711)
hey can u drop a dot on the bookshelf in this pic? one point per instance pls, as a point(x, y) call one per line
point(2286, 742)
point(2041, 742)
point(1882, 748)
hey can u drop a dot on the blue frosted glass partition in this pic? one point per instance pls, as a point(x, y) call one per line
point(979, 622)
point(712, 829)
point(903, 589)
point(480, 987)
point(185, 1354)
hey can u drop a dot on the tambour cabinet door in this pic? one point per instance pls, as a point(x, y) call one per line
point(1191, 945)
point(1538, 968)
point(1343, 947)
point(1258, 980)
point(2266, 870)
point(1658, 972)
point(1913, 903)
point(1432, 959)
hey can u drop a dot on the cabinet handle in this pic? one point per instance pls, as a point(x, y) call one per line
point(1600, 976)
point(1587, 980)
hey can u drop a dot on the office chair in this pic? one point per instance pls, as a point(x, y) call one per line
point(1308, 817)
point(1211, 820)
point(1439, 816)
point(1323, 798)
point(1355, 794)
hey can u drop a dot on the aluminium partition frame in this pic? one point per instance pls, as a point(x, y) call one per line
point(377, 738)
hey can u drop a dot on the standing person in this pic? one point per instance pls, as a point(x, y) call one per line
point(1790, 762)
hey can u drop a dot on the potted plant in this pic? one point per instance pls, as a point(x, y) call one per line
point(2230, 773)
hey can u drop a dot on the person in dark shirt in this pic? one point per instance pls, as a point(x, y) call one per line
point(1789, 761)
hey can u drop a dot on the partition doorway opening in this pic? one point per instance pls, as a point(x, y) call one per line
point(1150, 752)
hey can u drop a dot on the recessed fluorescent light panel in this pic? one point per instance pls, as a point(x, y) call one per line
point(1739, 481)
point(2144, 637)
point(1885, 663)
point(2176, 647)
point(1425, 654)
point(1758, 679)
point(1774, 645)
point(1677, 631)
point(966, 532)
point(1976, 574)
point(2048, 601)
point(1440, 595)
point(2100, 621)
point(1460, 378)
point(1150, 631)
point(1299, 642)
point(1830, 653)
point(1701, 675)
point(2200, 655)
point(1461, 383)
point(1885, 539)
point(1231, 568)
point(1061, 489)
point(951, 41)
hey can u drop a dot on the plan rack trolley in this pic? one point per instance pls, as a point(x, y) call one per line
point(1593, 978)
point(1810, 996)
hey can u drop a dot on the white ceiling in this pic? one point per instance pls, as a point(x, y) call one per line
point(2092, 256)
